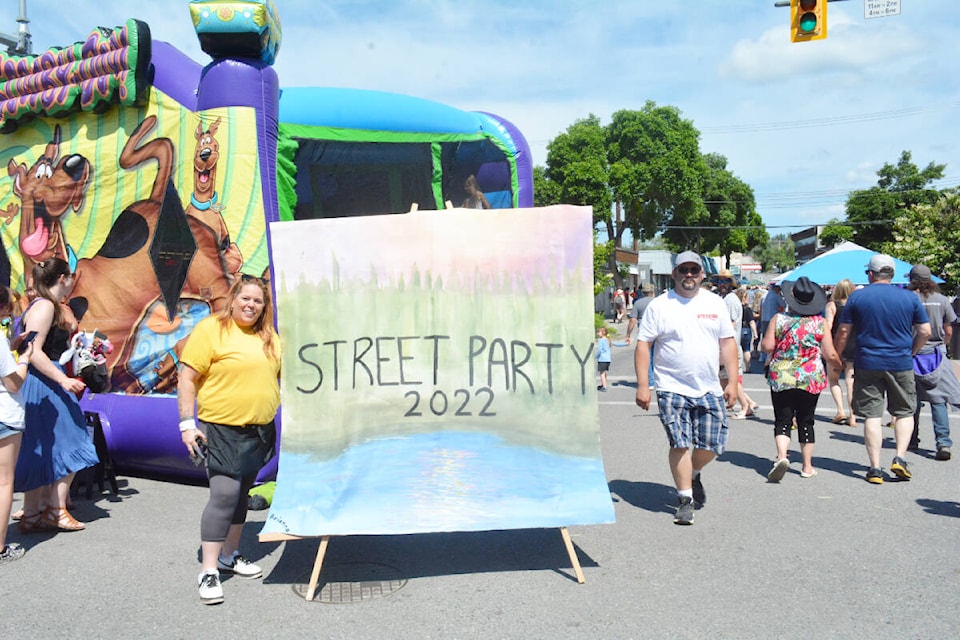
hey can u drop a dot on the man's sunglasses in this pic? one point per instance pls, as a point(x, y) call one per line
point(689, 271)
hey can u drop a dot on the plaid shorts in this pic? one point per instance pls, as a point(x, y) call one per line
point(697, 422)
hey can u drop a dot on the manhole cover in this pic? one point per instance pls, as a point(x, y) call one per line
point(352, 582)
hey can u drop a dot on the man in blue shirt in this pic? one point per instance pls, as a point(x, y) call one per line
point(891, 326)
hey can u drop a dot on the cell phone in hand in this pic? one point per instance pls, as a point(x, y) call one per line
point(27, 339)
point(198, 453)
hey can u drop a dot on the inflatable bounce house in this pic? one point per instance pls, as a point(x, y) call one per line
point(156, 177)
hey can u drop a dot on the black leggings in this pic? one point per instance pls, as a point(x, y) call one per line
point(794, 404)
point(227, 505)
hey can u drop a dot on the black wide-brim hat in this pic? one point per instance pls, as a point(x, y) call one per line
point(804, 297)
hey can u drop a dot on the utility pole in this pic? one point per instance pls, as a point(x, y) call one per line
point(20, 44)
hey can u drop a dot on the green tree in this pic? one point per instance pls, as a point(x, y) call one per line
point(656, 173)
point(730, 203)
point(899, 187)
point(777, 255)
point(545, 191)
point(930, 234)
point(835, 232)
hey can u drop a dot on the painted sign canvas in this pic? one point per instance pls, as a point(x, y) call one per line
point(438, 374)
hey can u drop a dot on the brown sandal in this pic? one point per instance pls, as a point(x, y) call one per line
point(32, 523)
point(59, 519)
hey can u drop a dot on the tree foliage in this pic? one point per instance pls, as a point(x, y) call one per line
point(777, 255)
point(730, 205)
point(899, 188)
point(930, 234)
point(644, 173)
point(657, 172)
point(835, 232)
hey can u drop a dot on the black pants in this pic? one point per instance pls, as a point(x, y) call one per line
point(794, 404)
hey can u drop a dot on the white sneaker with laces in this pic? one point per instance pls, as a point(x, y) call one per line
point(239, 566)
point(210, 590)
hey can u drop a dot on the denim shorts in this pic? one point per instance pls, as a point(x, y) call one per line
point(6, 432)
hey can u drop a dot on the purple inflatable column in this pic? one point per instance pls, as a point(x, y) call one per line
point(249, 82)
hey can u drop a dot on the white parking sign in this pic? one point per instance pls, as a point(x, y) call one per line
point(880, 8)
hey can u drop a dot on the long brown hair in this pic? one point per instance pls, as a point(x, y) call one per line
point(263, 326)
point(46, 274)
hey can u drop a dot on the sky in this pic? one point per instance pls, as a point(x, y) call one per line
point(802, 123)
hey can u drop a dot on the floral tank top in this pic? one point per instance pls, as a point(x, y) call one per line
point(795, 362)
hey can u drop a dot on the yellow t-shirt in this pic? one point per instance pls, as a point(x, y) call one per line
point(238, 382)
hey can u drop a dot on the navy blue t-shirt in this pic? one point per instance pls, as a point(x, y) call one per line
point(883, 316)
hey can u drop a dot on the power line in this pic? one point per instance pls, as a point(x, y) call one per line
point(781, 226)
point(891, 114)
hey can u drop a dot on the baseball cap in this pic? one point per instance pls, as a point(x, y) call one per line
point(688, 256)
point(880, 262)
point(920, 272)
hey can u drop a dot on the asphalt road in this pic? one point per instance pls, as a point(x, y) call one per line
point(826, 557)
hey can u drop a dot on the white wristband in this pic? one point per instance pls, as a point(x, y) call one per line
point(187, 423)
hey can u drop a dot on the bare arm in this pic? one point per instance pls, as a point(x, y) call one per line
point(40, 319)
point(830, 315)
point(770, 337)
point(843, 336)
point(829, 351)
point(641, 362)
point(14, 380)
point(186, 399)
point(920, 336)
point(631, 325)
point(728, 354)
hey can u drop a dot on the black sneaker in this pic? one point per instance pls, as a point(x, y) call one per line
point(943, 453)
point(900, 468)
point(875, 475)
point(699, 495)
point(684, 511)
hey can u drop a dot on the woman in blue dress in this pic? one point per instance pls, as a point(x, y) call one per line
point(55, 443)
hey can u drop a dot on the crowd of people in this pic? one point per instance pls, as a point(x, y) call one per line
point(228, 396)
point(45, 441)
point(887, 343)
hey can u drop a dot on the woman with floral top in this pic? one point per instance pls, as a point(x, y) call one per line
point(795, 340)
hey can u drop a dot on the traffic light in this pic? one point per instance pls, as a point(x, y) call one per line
point(808, 20)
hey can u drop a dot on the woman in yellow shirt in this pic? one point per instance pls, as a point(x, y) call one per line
point(230, 368)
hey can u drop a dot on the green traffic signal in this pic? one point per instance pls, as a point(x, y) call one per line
point(808, 22)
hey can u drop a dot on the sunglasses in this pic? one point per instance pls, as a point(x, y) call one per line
point(689, 271)
point(246, 277)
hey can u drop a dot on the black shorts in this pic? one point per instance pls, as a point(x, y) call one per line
point(238, 451)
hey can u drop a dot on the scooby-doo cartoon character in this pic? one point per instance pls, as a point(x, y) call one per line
point(48, 190)
point(218, 260)
point(113, 289)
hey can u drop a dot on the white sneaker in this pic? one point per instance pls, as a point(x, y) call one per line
point(240, 566)
point(210, 590)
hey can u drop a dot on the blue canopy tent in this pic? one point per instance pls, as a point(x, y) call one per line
point(847, 260)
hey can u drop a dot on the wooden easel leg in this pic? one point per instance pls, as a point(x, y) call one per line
point(574, 560)
point(315, 576)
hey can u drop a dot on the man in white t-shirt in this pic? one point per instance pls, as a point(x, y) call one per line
point(691, 329)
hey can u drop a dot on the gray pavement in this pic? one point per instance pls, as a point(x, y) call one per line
point(826, 557)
